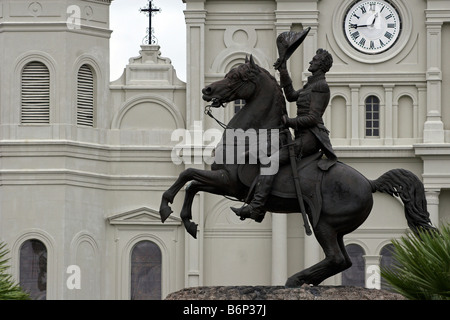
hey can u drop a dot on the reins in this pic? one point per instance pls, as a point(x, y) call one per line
point(208, 111)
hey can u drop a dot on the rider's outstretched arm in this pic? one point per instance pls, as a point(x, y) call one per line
point(286, 83)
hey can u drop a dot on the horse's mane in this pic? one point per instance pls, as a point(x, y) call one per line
point(280, 100)
point(280, 97)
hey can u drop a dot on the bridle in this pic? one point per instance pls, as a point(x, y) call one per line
point(217, 103)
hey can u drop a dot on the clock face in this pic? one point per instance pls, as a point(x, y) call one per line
point(372, 27)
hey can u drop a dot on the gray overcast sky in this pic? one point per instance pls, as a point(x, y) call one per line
point(129, 28)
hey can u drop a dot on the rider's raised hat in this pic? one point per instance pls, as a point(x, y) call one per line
point(287, 43)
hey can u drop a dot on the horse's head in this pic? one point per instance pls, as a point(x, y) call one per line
point(239, 83)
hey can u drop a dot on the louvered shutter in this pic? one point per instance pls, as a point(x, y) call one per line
point(35, 94)
point(85, 97)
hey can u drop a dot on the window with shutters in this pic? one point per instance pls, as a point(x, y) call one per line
point(35, 91)
point(85, 96)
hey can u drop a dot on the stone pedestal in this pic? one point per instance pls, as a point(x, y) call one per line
point(305, 292)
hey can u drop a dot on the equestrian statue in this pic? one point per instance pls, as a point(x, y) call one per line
point(333, 198)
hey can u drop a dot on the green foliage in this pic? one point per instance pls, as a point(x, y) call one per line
point(422, 268)
point(8, 289)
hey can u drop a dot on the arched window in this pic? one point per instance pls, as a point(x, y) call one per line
point(85, 96)
point(146, 260)
point(387, 260)
point(372, 105)
point(355, 275)
point(35, 94)
point(33, 269)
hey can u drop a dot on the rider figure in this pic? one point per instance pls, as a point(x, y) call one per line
point(310, 132)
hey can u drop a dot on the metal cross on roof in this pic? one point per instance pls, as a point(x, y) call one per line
point(150, 10)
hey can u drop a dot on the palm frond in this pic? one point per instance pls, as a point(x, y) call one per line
point(9, 290)
point(422, 268)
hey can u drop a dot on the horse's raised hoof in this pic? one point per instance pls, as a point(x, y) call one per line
point(164, 211)
point(191, 228)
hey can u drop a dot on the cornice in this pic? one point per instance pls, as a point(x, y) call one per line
point(52, 27)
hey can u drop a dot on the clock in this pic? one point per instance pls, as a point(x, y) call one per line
point(372, 27)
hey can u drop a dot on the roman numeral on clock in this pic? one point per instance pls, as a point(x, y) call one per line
point(362, 42)
point(388, 35)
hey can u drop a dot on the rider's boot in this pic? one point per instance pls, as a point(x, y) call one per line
point(255, 209)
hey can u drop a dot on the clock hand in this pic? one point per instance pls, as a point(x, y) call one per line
point(364, 25)
point(359, 26)
point(374, 19)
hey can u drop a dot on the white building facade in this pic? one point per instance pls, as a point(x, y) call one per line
point(84, 161)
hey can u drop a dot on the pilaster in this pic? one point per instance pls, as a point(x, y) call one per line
point(373, 276)
point(279, 249)
point(195, 15)
point(354, 89)
point(434, 127)
point(389, 111)
point(432, 196)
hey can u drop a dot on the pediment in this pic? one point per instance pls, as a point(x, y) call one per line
point(142, 216)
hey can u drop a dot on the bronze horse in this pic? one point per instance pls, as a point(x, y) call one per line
point(346, 195)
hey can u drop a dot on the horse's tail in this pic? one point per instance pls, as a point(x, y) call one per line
point(406, 185)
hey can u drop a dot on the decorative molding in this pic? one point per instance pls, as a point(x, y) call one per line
point(32, 27)
point(142, 216)
point(238, 234)
point(86, 179)
point(398, 153)
point(375, 78)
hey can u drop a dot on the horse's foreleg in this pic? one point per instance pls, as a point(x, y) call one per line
point(213, 178)
point(186, 212)
point(169, 195)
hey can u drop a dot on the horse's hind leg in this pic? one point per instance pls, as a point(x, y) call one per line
point(336, 260)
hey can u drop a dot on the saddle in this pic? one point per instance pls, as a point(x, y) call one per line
point(310, 174)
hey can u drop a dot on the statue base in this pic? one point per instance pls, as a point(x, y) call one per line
point(305, 292)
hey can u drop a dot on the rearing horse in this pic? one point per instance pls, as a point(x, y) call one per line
point(346, 194)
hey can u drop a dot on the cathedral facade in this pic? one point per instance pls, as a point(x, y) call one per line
point(84, 161)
